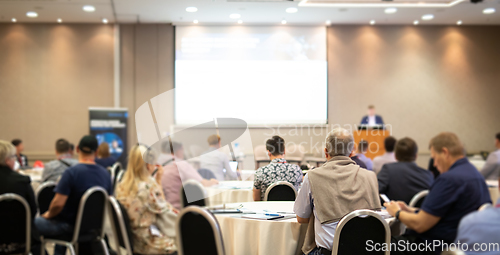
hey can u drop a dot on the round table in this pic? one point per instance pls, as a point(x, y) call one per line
point(230, 192)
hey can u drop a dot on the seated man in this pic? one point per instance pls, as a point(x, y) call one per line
point(277, 170)
point(400, 181)
point(388, 156)
point(55, 168)
point(356, 159)
point(362, 149)
point(491, 169)
point(338, 182)
point(480, 229)
point(459, 190)
point(60, 219)
point(217, 161)
point(177, 172)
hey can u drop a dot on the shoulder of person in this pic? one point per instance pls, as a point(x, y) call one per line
point(17, 177)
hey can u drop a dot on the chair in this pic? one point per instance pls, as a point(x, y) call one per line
point(260, 155)
point(44, 195)
point(356, 229)
point(193, 193)
point(280, 191)
point(89, 224)
point(198, 232)
point(295, 154)
point(206, 174)
point(120, 223)
point(15, 222)
point(485, 206)
point(115, 170)
point(418, 199)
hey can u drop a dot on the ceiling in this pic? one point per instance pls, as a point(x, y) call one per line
point(216, 12)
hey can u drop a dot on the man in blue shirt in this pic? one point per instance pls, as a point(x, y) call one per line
point(59, 220)
point(459, 190)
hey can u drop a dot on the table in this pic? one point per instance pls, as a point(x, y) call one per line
point(493, 189)
point(250, 236)
point(36, 176)
point(230, 192)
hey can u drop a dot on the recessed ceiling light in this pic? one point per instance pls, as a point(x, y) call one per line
point(192, 9)
point(428, 17)
point(59, 20)
point(32, 14)
point(283, 22)
point(292, 10)
point(489, 10)
point(415, 22)
point(235, 16)
point(105, 21)
point(14, 20)
point(372, 22)
point(459, 22)
point(89, 8)
point(240, 21)
point(391, 10)
point(195, 21)
point(328, 22)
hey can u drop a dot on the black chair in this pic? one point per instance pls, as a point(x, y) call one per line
point(356, 229)
point(206, 174)
point(193, 193)
point(44, 195)
point(15, 225)
point(280, 191)
point(198, 232)
point(121, 226)
point(418, 199)
point(89, 224)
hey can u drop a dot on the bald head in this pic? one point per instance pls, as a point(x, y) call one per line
point(339, 142)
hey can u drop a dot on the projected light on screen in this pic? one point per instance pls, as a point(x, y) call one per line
point(263, 75)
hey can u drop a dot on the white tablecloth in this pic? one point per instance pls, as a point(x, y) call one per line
point(230, 192)
point(35, 175)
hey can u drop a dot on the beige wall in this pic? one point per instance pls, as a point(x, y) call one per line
point(49, 76)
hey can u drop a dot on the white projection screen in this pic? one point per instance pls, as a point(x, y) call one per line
point(263, 75)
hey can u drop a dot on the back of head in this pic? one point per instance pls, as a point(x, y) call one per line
point(406, 150)
point(62, 146)
point(363, 146)
point(88, 146)
point(136, 169)
point(276, 145)
point(7, 150)
point(389, 143)
point(213, 140)
point(16, 142)
point(447, 140)
point(176, 147)
point(498, 137)
point(103, 150)
point(339, 142)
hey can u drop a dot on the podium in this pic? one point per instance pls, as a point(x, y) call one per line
point(375, 138)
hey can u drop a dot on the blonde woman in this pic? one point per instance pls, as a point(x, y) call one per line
point(152, 218)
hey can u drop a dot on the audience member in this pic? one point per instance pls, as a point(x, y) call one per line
point(177, 172)
point(104, 158)
point(141, 194)
point(55, 168)
point(402, 180)
point(165, 156)
point(333, 190)
point(362, 149)
point(217, 161)
point(388, 156)
point(277, 170)
point(21, 158)
point(459, 190)
point(59, 220)
point(491, 169)
point(356, 159)
point(13, 182)
point(372, 119)
point(71, 149)
point(480, 229)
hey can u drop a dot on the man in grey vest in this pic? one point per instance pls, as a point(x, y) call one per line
point(332, 191)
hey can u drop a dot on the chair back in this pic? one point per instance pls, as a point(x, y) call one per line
point(295, 153)
point(418, 199)
point(280, 191)
point(115, 170)
point(91, 213)
point(198, 232)
point(121, 225)
point(15, 222)
point(357, 229)
point(193, 193)
point(485, 206)
point(44, 195)
point(206, 174)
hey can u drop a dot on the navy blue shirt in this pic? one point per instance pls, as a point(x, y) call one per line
point(105, 162)
point(453, 195)
point(75, 182)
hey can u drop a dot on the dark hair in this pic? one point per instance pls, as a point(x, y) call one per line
point(389, 143)
point(406, 150)
point(71, 147)
point(16, 142)
point(276, 145)
point(498, 136)
point(363, 146)
point(62, 146)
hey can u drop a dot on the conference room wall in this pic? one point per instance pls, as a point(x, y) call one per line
point(49, 75)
